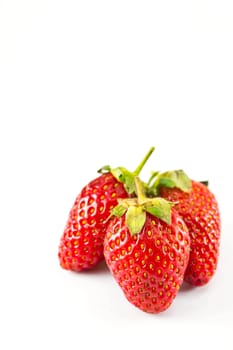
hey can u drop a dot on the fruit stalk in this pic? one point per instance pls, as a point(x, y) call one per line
point(139, 189)
point(143, 162)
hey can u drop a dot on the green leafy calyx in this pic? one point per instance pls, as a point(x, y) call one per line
point(119, 210)
point(105, 169)
point(135, 219)
point(170, 179)
point(125, 176)
point(136, 209)
point(160, 208)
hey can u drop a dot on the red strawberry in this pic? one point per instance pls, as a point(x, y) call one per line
point(81, 246)
point(147, 255)
point(198, 207)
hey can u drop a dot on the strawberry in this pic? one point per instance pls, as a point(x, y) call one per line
point(81, 246)
point(146, 248)
point(198, 207)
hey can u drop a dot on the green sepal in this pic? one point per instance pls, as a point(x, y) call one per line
point(105, 169)
point(122, 175)
point(126, 177)
point(161, 208)
point(176, 178)
point(206, 183)
point(170, 179)
point(166, 182)
point(119, 210)
point(135, 219)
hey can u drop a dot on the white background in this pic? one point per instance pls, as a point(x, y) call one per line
point(88, 83)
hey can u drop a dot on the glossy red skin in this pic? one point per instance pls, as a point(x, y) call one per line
point(149, 266)
point(200, 211)
point(81, 246)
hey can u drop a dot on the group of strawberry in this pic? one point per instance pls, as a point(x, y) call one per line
point(152, 235)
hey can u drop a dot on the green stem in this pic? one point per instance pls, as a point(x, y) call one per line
point(143, 162)
point(139, 189)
